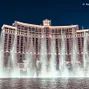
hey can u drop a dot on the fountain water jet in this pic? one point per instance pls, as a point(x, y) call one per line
point(62, 62)
point(43, 57)
point(85, 51)
point(29, 57)
point(53, 71)
point(13, 54)
point(2, 53)
point(85, 55)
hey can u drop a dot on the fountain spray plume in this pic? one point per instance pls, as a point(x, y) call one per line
point(77, 70)
point(43, 56)
point(85, 50)
point(62, 61)
point(74, 57)
point(29, 56)
point(15, 68)
point(2, 53)
point(53, 71)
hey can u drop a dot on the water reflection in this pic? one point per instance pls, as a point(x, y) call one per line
point(36, 83)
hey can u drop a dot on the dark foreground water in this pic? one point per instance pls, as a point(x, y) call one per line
point(37, 83)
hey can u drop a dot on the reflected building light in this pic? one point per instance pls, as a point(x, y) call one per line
point(70, 53)
point(23, 52)
point(50, 36)
point(19, 52)
point(81, 52)
point(48, 53)
point(42, 36)
point(30, 52)
point(58, 53)
point(7, 51)
point(26, 52)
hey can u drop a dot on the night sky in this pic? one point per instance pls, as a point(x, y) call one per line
point(61, 12)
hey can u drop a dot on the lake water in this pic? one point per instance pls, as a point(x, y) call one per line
point(40, 83)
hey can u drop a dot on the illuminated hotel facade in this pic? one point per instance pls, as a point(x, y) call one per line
point(29, 38)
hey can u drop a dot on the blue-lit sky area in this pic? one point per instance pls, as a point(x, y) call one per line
point(61, 12)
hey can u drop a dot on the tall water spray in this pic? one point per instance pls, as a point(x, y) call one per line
point(13, 54)
point(29, 57)
point(62, 60)
point(77, 70)
point(74, 57)
point(2, 53)
point(85, 51)
point(43, 57)
point(53, 71)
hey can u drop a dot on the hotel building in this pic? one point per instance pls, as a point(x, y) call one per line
point(29, 39)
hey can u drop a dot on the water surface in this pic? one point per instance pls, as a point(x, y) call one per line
point(40, 83)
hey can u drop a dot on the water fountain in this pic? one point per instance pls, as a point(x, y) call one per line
point(62, 62)
point(2, 53)
point(85, 51)
point(53, 71)
point(31, 64)
point(75, 61)
point(13, 56)
point(28, 57)
point(85, 55)
point(43, 57)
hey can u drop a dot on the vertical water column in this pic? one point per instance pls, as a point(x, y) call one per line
point(34, 68)
point(62, 63)
point(74, 58)
point(43, 57)
point(85, 51)
point(38, 63)
point(2, 38)
point(77, 71)
point(29, 56)
point(52, 70)
point(14, 64)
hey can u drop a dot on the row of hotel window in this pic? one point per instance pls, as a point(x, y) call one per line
point(22, 48)
point(39, 29)
point(34, 34)
point(46, 30)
